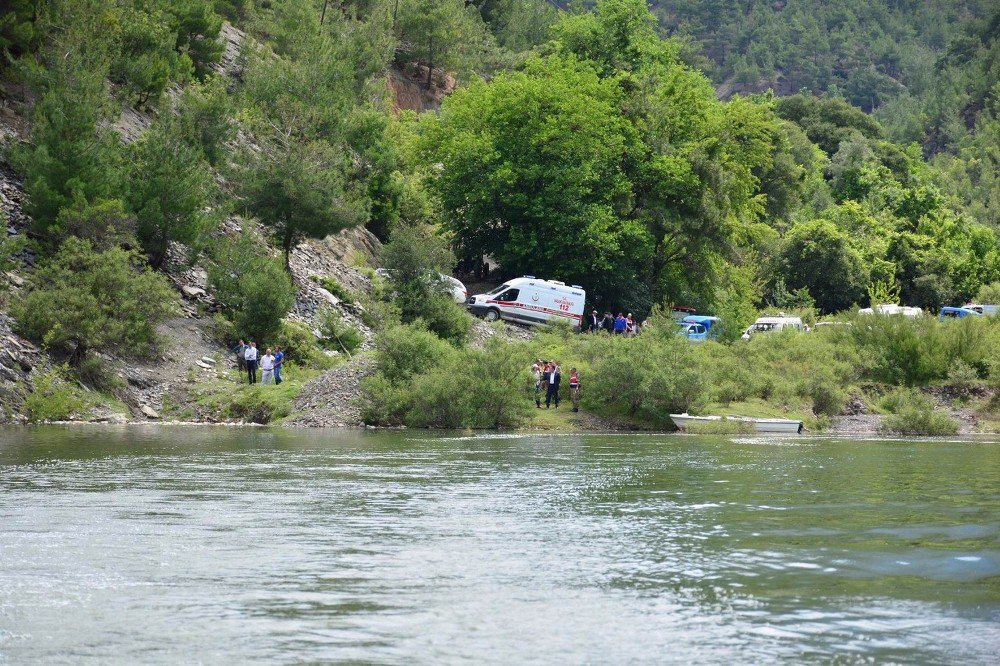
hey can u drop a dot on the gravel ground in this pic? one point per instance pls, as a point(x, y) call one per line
point(330, 400)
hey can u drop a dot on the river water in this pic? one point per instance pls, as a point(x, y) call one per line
point(222, 545)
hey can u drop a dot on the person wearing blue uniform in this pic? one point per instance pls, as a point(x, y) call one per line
point(279, 362)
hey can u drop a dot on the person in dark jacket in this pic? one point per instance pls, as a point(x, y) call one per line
point(593, 324)
point(608, 323)
point(241, 361)
point(552, 385)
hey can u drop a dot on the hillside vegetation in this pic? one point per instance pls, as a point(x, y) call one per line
point(729, 156)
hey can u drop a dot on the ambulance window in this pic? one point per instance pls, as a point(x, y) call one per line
point(509, 295)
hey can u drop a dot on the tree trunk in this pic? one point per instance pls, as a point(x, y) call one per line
point(286, 245)
point(430, 60)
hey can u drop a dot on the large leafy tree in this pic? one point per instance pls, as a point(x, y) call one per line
point(532, 173)
point(298, 190)
point(819, 257)
point(609, 163)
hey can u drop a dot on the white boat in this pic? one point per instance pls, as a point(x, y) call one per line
point(682, 421)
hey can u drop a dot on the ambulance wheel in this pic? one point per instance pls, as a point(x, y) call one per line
point(491, 315)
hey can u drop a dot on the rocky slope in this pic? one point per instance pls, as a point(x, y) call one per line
point(189, 351)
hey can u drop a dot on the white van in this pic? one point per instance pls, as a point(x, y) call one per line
point(529, 300)
point(780, 322)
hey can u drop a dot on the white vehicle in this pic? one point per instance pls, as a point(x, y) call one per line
point(892, 309)
point(455, 286)
point(983, 309)
point(780, 322)
point(529, 300)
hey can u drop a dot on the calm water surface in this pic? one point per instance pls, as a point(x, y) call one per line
point(214, 545)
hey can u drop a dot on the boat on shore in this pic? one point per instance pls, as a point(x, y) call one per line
point(685, 421)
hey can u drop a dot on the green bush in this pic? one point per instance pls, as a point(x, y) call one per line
point(382, 401)
point(82, 300)
point(261, 404)
point(647, 378)
point(477, 389)
point(415, 257)
point(337, 333)
point(332, 285)
point(408, 350)
point(54, 398)
point(962, 377)
point(913, 414)
point(253, 288)
point(446, 318)
point(106, 224)
point(300, 345)
point(422, 381)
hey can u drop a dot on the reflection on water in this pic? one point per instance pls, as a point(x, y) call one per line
point(221, 545)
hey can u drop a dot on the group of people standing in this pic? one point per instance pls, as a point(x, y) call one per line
point(548, 376)
point(623, 324)
point(248, 361)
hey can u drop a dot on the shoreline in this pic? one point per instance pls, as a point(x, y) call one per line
point(831, 433)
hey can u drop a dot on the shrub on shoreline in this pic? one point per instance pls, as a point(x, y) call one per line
point(913, 414)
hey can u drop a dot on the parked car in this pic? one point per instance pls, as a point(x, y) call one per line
point(699, 327)
point(983, 309)
point(892, 309)
point(779, 322)
point(530, 300)
point(957, 313)
point(455, 286)
point(678, 312)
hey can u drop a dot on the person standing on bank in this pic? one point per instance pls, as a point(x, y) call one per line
point(241, 359)
point(251, 358)
point(593, 323)
point(620, 324)
point(574, 389)
point(552, 385)
point(267, 368)
point(279, 362)
point(536, 370)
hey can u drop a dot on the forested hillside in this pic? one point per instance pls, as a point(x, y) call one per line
point(727, 155)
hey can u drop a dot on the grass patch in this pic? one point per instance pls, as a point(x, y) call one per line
point(228, 400)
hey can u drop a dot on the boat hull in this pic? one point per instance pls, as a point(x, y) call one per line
point(789, 426)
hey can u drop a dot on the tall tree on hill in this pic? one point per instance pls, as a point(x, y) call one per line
point(439, 33)
point(298, 190)
point(71, 154)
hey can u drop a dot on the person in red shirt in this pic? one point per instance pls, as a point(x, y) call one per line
point(574, 389)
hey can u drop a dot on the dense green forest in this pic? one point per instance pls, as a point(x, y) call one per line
point(727, 155)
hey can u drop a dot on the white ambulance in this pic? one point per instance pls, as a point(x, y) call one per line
point(529, 300)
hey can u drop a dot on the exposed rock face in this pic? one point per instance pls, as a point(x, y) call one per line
point(231, 63)
point(410, 90)
point(335, 257)
point(19, 359)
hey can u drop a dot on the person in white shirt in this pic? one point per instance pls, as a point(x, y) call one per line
point(251, 358)
point(267, 368)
